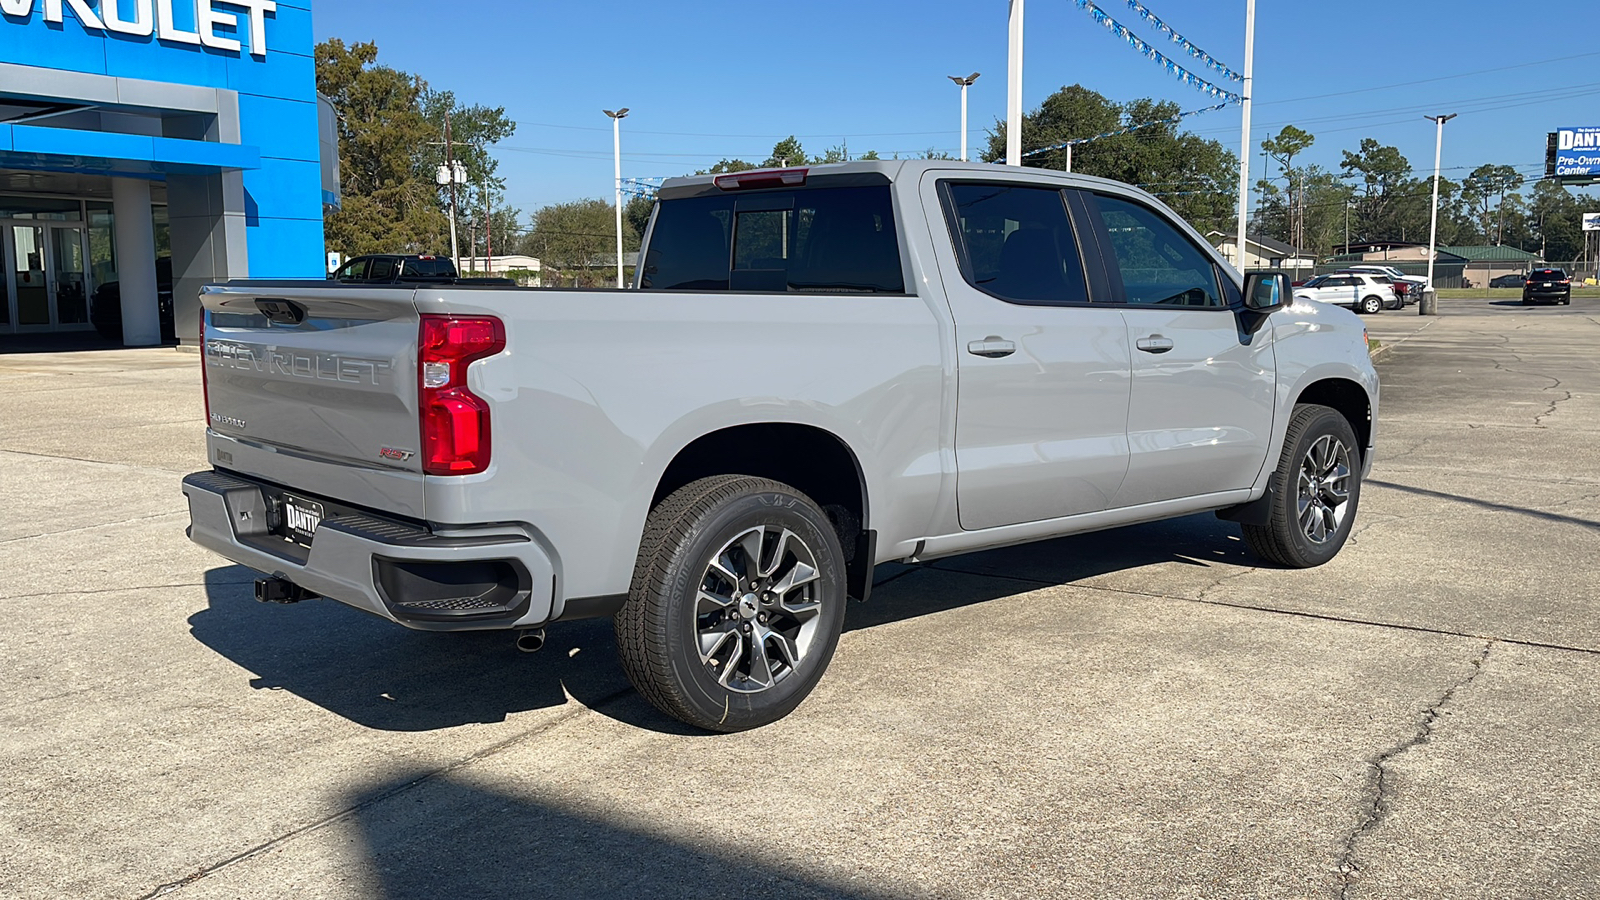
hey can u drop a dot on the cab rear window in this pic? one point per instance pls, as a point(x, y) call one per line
point(812, 240)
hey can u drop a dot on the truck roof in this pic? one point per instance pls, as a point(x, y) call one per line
point(891, 169)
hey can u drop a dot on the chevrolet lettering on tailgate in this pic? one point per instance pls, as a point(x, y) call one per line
point(317, 366)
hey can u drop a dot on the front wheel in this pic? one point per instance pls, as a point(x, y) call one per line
point(1316, 489)
point(737, 602)
point(1371, 305)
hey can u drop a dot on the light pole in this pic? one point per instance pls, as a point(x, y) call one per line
point(1014, 88)
point(616, 143)
point(965, 83)
point(1429, 307)
point(1244, 143)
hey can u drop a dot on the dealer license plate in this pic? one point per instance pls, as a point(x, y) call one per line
point(301, 518)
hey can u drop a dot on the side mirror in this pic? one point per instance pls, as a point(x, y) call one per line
point(1267, 291)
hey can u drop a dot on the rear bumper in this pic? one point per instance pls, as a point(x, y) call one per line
point(468, 579)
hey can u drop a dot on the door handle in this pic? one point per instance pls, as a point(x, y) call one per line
point(1155, 343)
point(992, 347)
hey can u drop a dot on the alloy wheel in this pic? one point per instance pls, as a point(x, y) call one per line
point(1323, 494)
point(757, 609)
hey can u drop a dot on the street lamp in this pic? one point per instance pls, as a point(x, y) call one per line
point(1244, 142)
point(616, 143)
point(1014, 86)
point(965, 83)
point(1425, 307)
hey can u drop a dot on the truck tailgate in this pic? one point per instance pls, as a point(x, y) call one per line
point(315, 388)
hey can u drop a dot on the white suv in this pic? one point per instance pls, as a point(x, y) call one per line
point(1413, 285)
point(1360, 291)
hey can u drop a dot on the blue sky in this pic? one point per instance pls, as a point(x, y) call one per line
point(706, 80)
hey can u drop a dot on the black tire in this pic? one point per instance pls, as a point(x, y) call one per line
point(1285, 539)
point(1527, 301)
point(691, 537)
point(1371, 305)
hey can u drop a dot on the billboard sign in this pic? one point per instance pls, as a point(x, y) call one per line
point(1578, 152)
point(1591, 221)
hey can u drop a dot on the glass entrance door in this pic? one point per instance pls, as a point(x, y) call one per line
point(69, 281)
point(30, 290)
point(46, 277)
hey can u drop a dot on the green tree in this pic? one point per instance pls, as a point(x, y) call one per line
point(1289, 143)
point(636, 218)
point(387, 205)
point(1486, 190)
point(473, 131)
point(391, 144)
point(785, 153)
point(576, 242)
point(1384, 180)
point(1557, 218)
point(1198, 178)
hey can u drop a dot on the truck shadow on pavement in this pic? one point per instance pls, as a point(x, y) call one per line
point(383, 676)
point(444, 837)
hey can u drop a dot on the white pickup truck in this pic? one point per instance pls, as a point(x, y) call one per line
point(816, 371)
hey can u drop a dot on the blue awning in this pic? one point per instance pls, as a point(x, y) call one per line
point(107, 153)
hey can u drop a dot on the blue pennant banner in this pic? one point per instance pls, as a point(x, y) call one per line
point(1196, 52)
point(1173, 120)
point(1177, 71)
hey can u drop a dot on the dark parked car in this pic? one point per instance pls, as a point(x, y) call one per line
point(106, 313)
point(1507, 281)
point(1547, 286)
point(401, 268)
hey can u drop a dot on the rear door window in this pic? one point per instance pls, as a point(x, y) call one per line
point(383, 269)
point(1016, 243)
point(1159, 265)
point(816, 240)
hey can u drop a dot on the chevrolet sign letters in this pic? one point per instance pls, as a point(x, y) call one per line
point(143, 18)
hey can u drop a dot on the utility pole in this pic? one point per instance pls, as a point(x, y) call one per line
point(1014, 88)
point(1430, 307)
point(616, 144)
point(488, 231)
point(450, 161)
point(451, 173)
point(965, 83)
point(1244, 143)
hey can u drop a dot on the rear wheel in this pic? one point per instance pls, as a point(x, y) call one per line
point(1316, 489)
point(1371, 305)
point(737, 602)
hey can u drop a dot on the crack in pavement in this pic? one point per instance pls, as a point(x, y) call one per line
point(471, 758)
point(123, 589)
point(1380, 783)
point(94, 462)
point(1293, 613)
point(44, 534)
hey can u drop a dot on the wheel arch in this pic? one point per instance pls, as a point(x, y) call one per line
point(1349, 399)
point(813, 460)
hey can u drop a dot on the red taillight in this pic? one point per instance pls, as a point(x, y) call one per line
point(455, 421)
point(762, 178)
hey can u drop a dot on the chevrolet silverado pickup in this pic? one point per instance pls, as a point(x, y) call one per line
point(815, 371)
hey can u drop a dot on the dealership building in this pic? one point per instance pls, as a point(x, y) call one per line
point(155, 146)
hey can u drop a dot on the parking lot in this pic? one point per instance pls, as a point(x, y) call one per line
point(1139, 712)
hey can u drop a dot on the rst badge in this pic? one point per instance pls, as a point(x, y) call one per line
point(396, 454)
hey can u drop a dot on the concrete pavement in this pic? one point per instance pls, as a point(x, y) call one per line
point(1140, 712)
